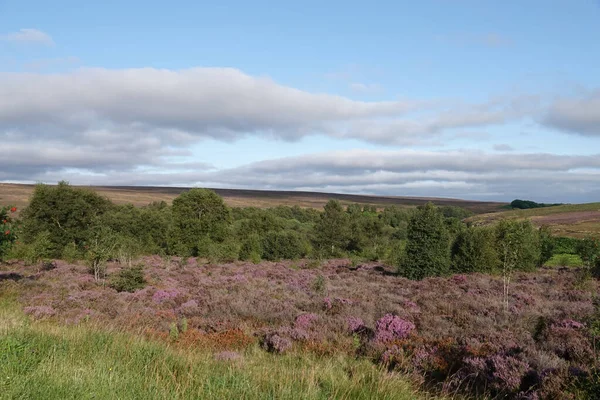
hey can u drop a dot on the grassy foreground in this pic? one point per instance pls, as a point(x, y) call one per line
point(41, 360)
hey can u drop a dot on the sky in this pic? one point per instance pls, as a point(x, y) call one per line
point(470, 99)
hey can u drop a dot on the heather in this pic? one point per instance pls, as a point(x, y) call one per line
point(447, 335)
point(92, 361)
point(413, 295)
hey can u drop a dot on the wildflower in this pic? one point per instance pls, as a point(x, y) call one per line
point(391, 327)
point(7, 232)
point(13, 209)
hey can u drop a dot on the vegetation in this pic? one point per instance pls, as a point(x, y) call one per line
point(427, 246)
point(505, 330)
point(526, 204)
point(74, 223)
point(44, 361)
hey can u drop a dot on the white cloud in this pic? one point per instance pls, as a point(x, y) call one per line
point(365, 88)
point(503, 147)
point(28, 35)
point(460, 173)
point(577, 114)
point(135, 126)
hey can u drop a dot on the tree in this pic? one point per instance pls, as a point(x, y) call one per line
point(332, 232)
point(67, 213)
point(427, 246)
point(197, 213)
point(283, 245)
point(7, 232)
point(474, 251)
point(518, 246)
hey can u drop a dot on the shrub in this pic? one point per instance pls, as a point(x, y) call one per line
point(67, 213)
point(474, 251)
point(71, 253)
point(391, 327)
point(518, 245)
point(129, 279)
point(251, 248)
point(41, 249)
point(197, 213)
point(332, 232)
point(427, 245)
point(227, 251)
point(7, 233)
point(100, 248)
point(283, 245)
point(564, 260)
point(589, 250)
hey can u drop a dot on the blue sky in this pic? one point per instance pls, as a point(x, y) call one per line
point(488, 100)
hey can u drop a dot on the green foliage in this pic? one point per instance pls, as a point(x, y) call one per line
point(526, 204)
point(283, 245)
point(251, 248)
point(174, 332)
point(129, 279)
point(589, 251)
point(427, 246)
point(100, 248)
point(56, 362)
point(518, 245)
point(197, 213)
point(67, 213)
point(320, 285)
point(41, 249)
point(564, 260)
point(332, 231)
point(148, 226)
point(455, 212)
point(474, 251)
point(547, 244)
point(71, 253)
point(8, 235)
point(226, 251)
point(565, 245)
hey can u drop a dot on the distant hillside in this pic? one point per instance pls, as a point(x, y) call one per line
point(141, 195)
point(575, 220)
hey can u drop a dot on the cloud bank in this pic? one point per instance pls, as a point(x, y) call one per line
point(133, 126)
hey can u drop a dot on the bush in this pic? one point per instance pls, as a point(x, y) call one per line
point(518, 245)
point(7, 233)
point(71, 253)
point(197, 213)
point(100, 248)
point(332, 232)
point(564, 260)
point(283, 245)
point(227, 251)
point(589, 250)
point(67, 213)
point(427, 245)
point(251, 248)
point(129, 279)
point(474, 251)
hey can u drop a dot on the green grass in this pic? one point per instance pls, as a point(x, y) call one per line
point(42, 360)
point(564, 260)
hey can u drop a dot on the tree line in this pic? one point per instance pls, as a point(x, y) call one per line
point(75, 223)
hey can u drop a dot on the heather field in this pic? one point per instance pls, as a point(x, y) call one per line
point(572, 220)
point(295, 329)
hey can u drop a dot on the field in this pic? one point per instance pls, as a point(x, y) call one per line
point(574, 220)
point(18, 195)
point(292, 329)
